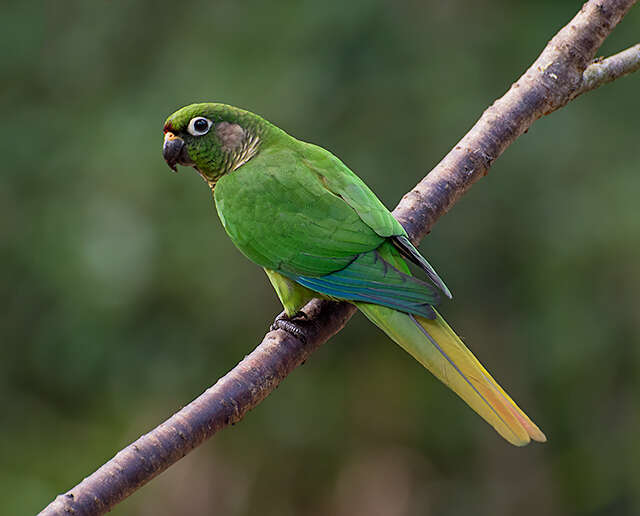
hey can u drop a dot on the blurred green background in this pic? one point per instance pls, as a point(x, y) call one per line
point(122, 299)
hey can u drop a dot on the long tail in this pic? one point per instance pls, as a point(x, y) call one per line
point(436, 346)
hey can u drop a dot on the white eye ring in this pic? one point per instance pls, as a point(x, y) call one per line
point(197, 127)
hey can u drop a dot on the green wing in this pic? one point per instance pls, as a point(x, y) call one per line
point(341, 181)
point(299, 211)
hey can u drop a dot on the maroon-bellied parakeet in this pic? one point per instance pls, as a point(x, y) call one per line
point(315, 227)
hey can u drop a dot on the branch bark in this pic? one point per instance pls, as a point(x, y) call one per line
point(563, 71)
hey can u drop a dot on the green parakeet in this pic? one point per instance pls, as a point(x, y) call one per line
point(315, 227)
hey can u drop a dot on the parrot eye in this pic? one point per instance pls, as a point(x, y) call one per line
point(199, 126)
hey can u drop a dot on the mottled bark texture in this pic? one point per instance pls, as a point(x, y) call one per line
point(560, 74)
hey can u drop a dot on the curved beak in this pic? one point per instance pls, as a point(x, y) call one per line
point(174, 151)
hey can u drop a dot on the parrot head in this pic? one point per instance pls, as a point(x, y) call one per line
point(212, 138)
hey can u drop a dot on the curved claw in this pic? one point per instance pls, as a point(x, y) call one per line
point(285, 322)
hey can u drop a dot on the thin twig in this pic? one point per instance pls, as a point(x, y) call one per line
point(558, 75)
point(603, 71)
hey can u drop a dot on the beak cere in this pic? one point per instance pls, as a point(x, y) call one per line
point(174, 151)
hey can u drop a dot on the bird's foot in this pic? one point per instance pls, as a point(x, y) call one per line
point(286, 323)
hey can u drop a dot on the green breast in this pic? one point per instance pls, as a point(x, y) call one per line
point(279, 214)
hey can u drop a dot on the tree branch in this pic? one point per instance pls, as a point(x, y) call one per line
point(561, 72)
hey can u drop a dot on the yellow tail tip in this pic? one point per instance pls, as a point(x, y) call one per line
point(537, 435)
point(528, 430)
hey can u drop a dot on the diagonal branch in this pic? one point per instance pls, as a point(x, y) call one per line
point(561, 72)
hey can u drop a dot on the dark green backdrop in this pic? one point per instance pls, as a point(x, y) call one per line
point(121, 299)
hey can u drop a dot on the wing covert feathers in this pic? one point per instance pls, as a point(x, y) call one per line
point(435, 345)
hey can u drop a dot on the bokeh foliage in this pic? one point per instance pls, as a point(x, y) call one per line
point(122, 299)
